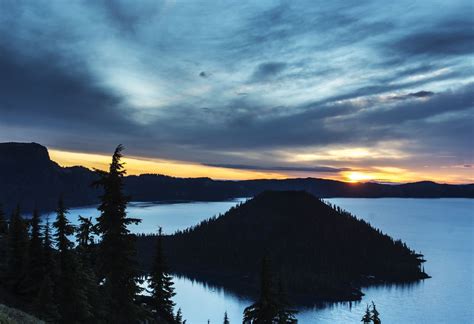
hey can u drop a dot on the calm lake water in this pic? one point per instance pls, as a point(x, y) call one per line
point(442, 229)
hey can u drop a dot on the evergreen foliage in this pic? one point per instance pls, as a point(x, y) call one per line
point(375, 315)
point(17, 252)
point(371, 315)
point(179, 317)
point(45, 304)
point(366, 319)
point(320, 251)
point(72, 290)
point(268, 309)
point(117, 268)
point(35, 269)
point(3, 243)
point(226, 318)
point(161, 284)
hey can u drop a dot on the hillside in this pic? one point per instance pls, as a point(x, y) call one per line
point(320, 252)
point(10, 315)
point(30, 178)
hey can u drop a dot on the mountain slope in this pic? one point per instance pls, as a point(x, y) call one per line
point(30, 178)
point(319, 251)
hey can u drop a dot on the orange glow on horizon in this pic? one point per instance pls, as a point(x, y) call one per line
point(137, 165)
point(140, 165)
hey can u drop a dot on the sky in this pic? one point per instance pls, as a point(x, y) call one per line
point(349, 90)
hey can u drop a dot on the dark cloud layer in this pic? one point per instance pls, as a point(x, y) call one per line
point(318, 169)
point(241, 85)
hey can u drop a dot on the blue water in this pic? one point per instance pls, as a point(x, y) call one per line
point(442, 229)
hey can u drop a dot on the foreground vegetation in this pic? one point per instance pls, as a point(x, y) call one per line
point(44, 272)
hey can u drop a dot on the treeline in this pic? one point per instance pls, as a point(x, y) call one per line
point(89, 273)
point(28, 176)
point(43, 271)
point(320, 251)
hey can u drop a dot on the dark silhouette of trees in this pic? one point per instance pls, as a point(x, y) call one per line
point(17, 252)
point(117, 268)
point(319, 251)
point(226, 318)
point(45, 304)
point(285, 315)
point(3, 243)
point(375, 315)
point(268, 309)
point(371, 315)
point(161, 284)
point(179, 317)
point(85, 232)
point(366, 319)
point(72, 288)
point(35, 269)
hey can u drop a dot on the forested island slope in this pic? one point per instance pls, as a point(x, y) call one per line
point(318, 251)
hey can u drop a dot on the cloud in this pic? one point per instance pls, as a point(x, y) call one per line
point(445, 39)
point(204, 74)
point(411, 95)
point(267, 71)
point(285, 77)
point(315, 169)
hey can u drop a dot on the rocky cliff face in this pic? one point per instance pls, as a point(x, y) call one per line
point(29, 178)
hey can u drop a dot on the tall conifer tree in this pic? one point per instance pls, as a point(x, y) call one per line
point(17, 251)
point(3, 243)
point(367, 318)
point(265, 309)
point(72, 292)
point(375, 315)
point(161, 284)
point(46, 305)
point(35, 269)
point(117, 266)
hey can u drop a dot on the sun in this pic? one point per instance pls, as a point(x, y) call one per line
point(355, 176)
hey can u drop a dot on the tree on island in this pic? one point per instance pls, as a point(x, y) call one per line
point(371, 315)
point(161, 283)
point(268, 309)
point(117, 268)
point(367, 318)
point(375, 315)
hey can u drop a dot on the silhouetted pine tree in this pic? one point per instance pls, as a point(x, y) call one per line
point(84, 232)
point(3, 244)
point(375, 315)
point(35, 269)
point(265, 309)
point(366, 319)
point(46, 305)
point(226, 318)
point(161, 284)
point(117, 253)
point(179, 317)
point(285, 315)
point(86, 252)
point(72, 290)
point(17, 251)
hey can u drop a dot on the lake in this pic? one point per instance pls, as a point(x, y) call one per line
point(442, 229)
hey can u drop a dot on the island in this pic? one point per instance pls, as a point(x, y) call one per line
point(318, 251)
